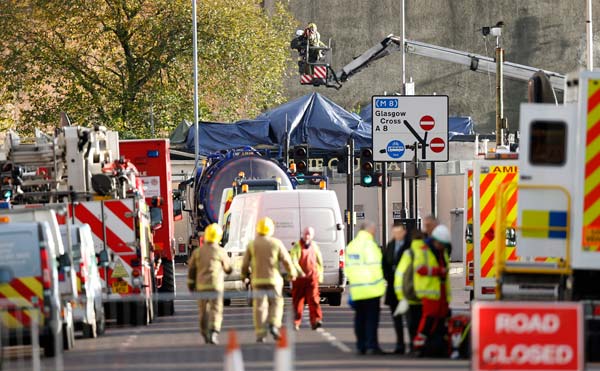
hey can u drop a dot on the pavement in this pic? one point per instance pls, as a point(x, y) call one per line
point(173, 343)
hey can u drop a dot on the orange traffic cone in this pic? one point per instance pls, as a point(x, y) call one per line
point(233, 355)
point(283, 353)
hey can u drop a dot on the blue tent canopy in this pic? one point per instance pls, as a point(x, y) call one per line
point(315, 120)
point(218, 136)
point(457, 125)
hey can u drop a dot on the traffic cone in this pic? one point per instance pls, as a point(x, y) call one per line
point(283, 353)
point(233, 355)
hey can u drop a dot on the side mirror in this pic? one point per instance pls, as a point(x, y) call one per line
point(103, 258)
point(156, 218)
point(178, 207)
point(64, 261)
point(6, 275)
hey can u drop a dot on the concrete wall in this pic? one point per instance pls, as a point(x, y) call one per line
point(548, 34)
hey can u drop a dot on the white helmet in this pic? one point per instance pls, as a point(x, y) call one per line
point(441, 234)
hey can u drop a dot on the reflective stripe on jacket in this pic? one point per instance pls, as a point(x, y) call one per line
point(296, 254)
point(428, 286)
point(261, 262)
point(363, 268)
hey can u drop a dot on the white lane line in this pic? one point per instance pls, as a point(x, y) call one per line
point(334, 341)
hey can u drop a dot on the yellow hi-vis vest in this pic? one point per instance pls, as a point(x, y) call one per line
point(404, 279)
point(363, 268)
point(429, 286)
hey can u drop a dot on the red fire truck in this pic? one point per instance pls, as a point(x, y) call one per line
point(151, 158)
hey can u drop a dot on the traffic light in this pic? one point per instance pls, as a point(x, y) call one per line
point(301, 159)
point(367, 167)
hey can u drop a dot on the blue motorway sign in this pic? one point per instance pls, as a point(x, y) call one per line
point(386, 103)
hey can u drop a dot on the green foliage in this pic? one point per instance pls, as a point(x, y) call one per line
point(112, 62)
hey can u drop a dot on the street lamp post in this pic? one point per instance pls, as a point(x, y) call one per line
point(195, 41)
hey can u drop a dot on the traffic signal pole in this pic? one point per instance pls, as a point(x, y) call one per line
point(350, 190)
point(384, 208)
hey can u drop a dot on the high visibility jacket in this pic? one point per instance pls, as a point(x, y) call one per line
point(261, 262)
point(363, 268)
point(207, 266)
point(296, 254)
point(428, 280)
point(404, 279)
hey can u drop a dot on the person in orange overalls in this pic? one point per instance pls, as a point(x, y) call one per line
point(307, 258)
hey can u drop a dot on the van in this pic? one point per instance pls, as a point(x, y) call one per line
point(32, 288)
point(88, 310)
point(291, 211)
point(66, 275)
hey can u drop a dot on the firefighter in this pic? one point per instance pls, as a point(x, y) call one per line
point(261, 266)
point(432, 286)
point(367, 286)
point(206, 271)
point(308, 261)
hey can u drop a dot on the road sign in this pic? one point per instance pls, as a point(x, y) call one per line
point(401, 122)
point(527, 336)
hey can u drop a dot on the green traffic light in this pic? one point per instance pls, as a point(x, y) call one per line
point(367, 179)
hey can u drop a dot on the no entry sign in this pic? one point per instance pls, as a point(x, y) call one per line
point(409, 126)
point(527, 336)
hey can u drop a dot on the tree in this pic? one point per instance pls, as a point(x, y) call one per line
point(113, 62)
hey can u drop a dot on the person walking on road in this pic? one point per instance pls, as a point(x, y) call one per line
point(261, 266)
point(432, 286)
point(206, 274)
point(308, 261)
point(391, 257)
point(367, 286)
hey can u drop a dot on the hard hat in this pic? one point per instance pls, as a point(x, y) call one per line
point(265, 227)
point(213, 233)
point(441, 234)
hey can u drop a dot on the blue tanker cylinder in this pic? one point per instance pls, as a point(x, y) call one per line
point(223, 171)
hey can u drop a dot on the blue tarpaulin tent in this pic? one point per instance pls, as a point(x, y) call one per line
point(317, 121)
point(217, 136)
point(457, 125)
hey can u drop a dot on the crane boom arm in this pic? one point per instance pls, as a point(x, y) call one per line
point(476, 62)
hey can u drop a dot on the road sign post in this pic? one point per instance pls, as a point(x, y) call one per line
point(400, 121)
point(527, 336)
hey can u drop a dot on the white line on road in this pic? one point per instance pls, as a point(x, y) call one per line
point(334, 341)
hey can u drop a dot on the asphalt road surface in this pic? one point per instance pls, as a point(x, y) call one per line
point(173, 343)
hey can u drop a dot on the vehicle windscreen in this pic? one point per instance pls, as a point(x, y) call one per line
point(20, 250)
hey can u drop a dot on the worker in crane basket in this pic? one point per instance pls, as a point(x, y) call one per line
point(313, 38)
point(432, 287)
point(207, 267)
point(261, 267)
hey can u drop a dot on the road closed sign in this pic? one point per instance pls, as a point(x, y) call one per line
point(410, 127)
point(527, 336)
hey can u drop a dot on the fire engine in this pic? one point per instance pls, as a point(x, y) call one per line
point(559, 205)
point(151, 158)
point(81, 168)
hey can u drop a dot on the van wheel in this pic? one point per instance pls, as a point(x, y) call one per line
point(335, 300)
point(90, 330)
point(140, 315)
point(48, 342)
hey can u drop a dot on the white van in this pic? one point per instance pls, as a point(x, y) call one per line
point(291, 211)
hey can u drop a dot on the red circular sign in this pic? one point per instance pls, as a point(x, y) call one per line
point(427, 122)
point(437, 145)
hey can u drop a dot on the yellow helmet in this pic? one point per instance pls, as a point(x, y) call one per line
point(312, 26)
point(213, 233)
point(265, 227)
